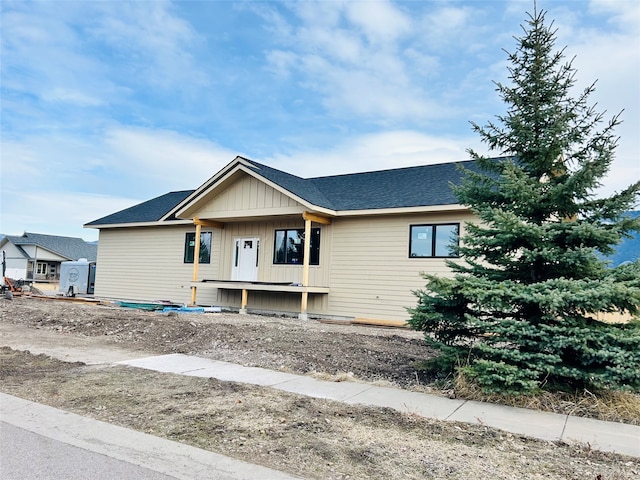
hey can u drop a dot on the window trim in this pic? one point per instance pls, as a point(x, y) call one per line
point(187, 247)
point(434, 238)
point(286, 233)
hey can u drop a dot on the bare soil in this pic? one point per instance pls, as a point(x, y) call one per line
point(309, 437)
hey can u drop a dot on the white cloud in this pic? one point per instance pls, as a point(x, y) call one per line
point(65, 95)
point(446, 25)
point(350, 53)
point(280, 63)
point(58, 213)
point(376, 151)
point(41, 55)
point(76, 179)
point(153, 40)
point(173, 160)
point(89, 54)
point(611, 56)
point(624, 12)
point(381, 22)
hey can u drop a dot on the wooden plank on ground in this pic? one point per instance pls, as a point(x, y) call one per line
point(380, 323)
point(88, 301)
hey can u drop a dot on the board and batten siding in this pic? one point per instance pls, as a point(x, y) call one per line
point(147, 263)
point(372, 275)
point(248, 197)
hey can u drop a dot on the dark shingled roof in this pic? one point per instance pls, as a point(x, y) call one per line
point(69, 247)
point(425, 185)
point(149, 211)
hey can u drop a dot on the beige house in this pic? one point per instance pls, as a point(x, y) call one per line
point(371, 235)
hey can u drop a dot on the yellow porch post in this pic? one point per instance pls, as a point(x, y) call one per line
point(308, 218)
point(305, 268)
point(196, 260)
point(196, 251)
point(244, 301)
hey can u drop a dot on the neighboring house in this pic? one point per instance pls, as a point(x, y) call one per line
point(37, 257)
point(371, 235)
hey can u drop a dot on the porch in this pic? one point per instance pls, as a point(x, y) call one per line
point(245, 281)
point(246, 286)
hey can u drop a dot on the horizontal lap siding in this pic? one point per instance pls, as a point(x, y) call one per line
point(372, 275)
point(365, 262)
point(147, 264)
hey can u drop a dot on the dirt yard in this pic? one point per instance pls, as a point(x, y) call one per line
point(309, 437)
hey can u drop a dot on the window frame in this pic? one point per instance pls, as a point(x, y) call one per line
point(314, 259)
point(435, 246)
point(189, 250)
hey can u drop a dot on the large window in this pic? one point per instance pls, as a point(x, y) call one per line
point(433, 240)
point(289, 247)
point(205, 247)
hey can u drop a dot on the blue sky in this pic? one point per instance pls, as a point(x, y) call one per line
point(107, 104)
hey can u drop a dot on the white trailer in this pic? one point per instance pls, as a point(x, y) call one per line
point(77, 277)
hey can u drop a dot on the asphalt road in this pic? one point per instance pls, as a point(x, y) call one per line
point(26, 455)
point(38, 442)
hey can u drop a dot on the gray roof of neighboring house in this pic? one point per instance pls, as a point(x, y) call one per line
point(69, 247)
point(149, 211)
point(425, 185)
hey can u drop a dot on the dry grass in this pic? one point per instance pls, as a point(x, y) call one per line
point(612, 406)
point(314, 438)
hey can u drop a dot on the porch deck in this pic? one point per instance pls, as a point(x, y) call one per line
point(260, 286)
point(246, 286)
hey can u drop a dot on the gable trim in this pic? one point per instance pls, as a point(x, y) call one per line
point(238, 165)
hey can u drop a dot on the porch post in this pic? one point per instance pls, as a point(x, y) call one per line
point(196, 260)
point(308, 219)
point(305, 269)
point(244, 301)
point(35, 264)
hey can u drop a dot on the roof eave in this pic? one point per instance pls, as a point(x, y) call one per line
point(454, 207)
point(140, 224)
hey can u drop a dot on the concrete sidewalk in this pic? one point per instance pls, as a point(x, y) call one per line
point(604, 436)
point(142, 452)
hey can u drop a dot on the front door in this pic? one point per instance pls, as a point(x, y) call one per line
point(245, 259)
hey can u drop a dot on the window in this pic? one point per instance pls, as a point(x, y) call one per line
point(433, 240)
point(205, 247)
point(42, 268)
point(289, 247)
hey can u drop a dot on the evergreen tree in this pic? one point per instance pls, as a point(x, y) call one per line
point(518, 314)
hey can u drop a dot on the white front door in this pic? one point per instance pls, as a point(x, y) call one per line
point(245, 259)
